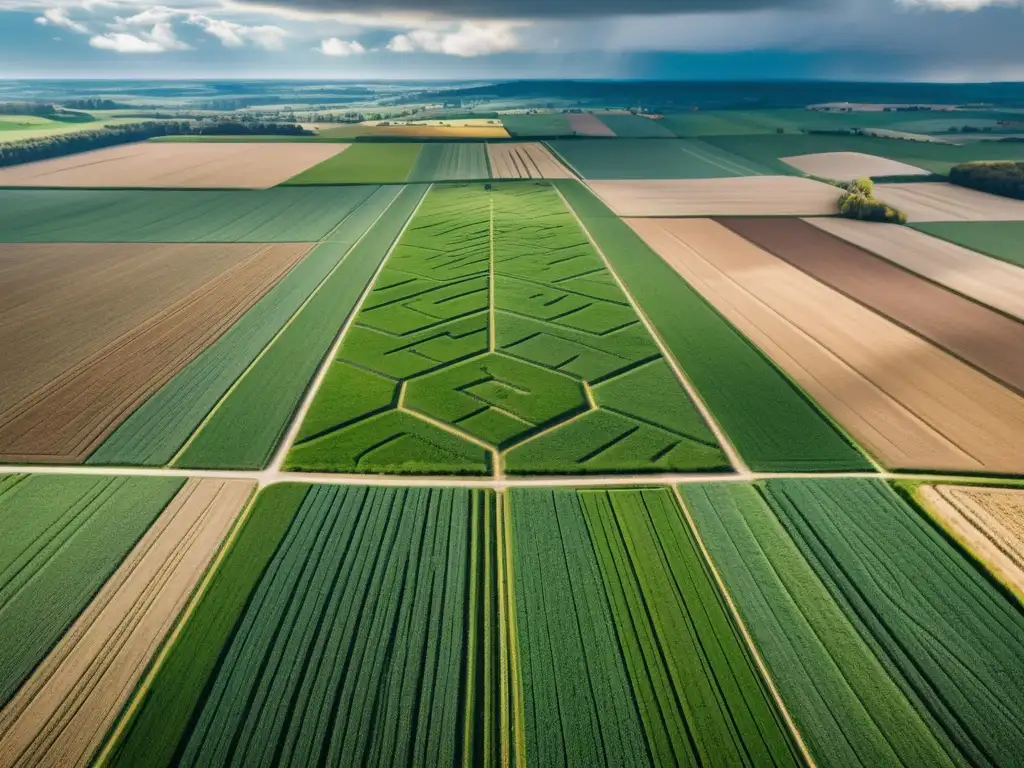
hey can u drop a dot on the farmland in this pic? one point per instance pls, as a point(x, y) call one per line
point(476, 343)
point(240, 165)
point(645, 159)
point(279, 215)
point(912, 405)
point(764, 195)
point(640, 642)
point(364, 164)
point(606, 440)
point(450, 162)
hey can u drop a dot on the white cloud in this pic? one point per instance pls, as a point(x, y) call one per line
point(470, 38)
point(332, 46)
point(159, 39)
point(957, 5)
point(58, 17)
point(234, 35)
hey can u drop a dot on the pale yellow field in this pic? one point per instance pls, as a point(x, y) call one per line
point(947, 202)
point(988, 521)
point(847, 166)
point(186, 165)
point(525, 160)
point(740, 196)
point(437, 130)
point(472, 122)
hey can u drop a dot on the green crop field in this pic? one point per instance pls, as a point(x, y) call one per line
point(649, 159)
point(495, 337)
point(451, 162)
point(1002, 240)
point(845, 705)
point(635, 127)
point(157, 430)
point(363, 164)
point(63, 537)
point(950, 639)
point(247, 426)
point(370, 612)
point(628, 653)
point(772, 424)
point(537, 126)
point(172, 216)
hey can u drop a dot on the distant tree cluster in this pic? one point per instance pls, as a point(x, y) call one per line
point(859, 202)
point(27, 108)
point(94, 103)
point(999, 178)
point(46, 147)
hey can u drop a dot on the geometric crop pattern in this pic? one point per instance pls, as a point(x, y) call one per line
point(495, 340)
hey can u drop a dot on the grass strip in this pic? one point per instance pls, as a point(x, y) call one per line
point(246, 428)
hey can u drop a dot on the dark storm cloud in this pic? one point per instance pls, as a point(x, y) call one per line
point(535, 9)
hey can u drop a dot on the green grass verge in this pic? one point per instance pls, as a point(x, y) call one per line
point(999, 239)
point(280, 215)
point(63, 538)
point(246, 428)
point(617, 613)
point(451, 162)
point(772, 424)
point(949, 637)
point(161, 721)
point(363, 164)
point(648, 159)
point(845, 706)
point(157, 430)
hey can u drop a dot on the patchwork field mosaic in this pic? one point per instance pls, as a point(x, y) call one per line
point(495, 340)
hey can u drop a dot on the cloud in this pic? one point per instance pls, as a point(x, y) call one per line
point(234, 35)
point(468, 39)
point(58, 17)
point(332, 46)
point(159, 39)
point(957, 5)
point(525, 9)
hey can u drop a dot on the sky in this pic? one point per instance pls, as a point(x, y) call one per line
point(902, 40)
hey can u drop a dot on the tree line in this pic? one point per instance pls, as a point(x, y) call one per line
point(46, 147)
point(998, 178)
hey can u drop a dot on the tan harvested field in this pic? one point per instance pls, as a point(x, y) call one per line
point(989, 281)
point(62, 713)
point(989, 522)
point(939, 201)
point(983, 337)
point(911, 404)
point(175, 165)
point(847, 166)
point(81, 358)
point(737, 196)
point(974, 333)
point(589, 125)
point(525, 160)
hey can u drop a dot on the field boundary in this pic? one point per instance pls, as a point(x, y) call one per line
point(723, 440)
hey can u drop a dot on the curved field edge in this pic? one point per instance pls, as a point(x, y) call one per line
point(245, 429)
point(774, 425)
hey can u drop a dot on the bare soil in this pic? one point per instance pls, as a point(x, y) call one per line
point(588, 125)
point(74, 406)
point(992, 282)
point(737, 196)
point(948, 202)
point(174, 165)
point(985, 338)
point(64, 710)
point(526, 160)
point(847, 166)
point(911, 404)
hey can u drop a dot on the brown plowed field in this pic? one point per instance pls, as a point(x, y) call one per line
point(174, 165)
point(64, 710)
point(588, 125)
point(989, 521)
point(60, 413)
point(526, 160)
point(991, 341)
point(737, 196)
point(993, 282)
point(946, 202)
point(911, 404)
